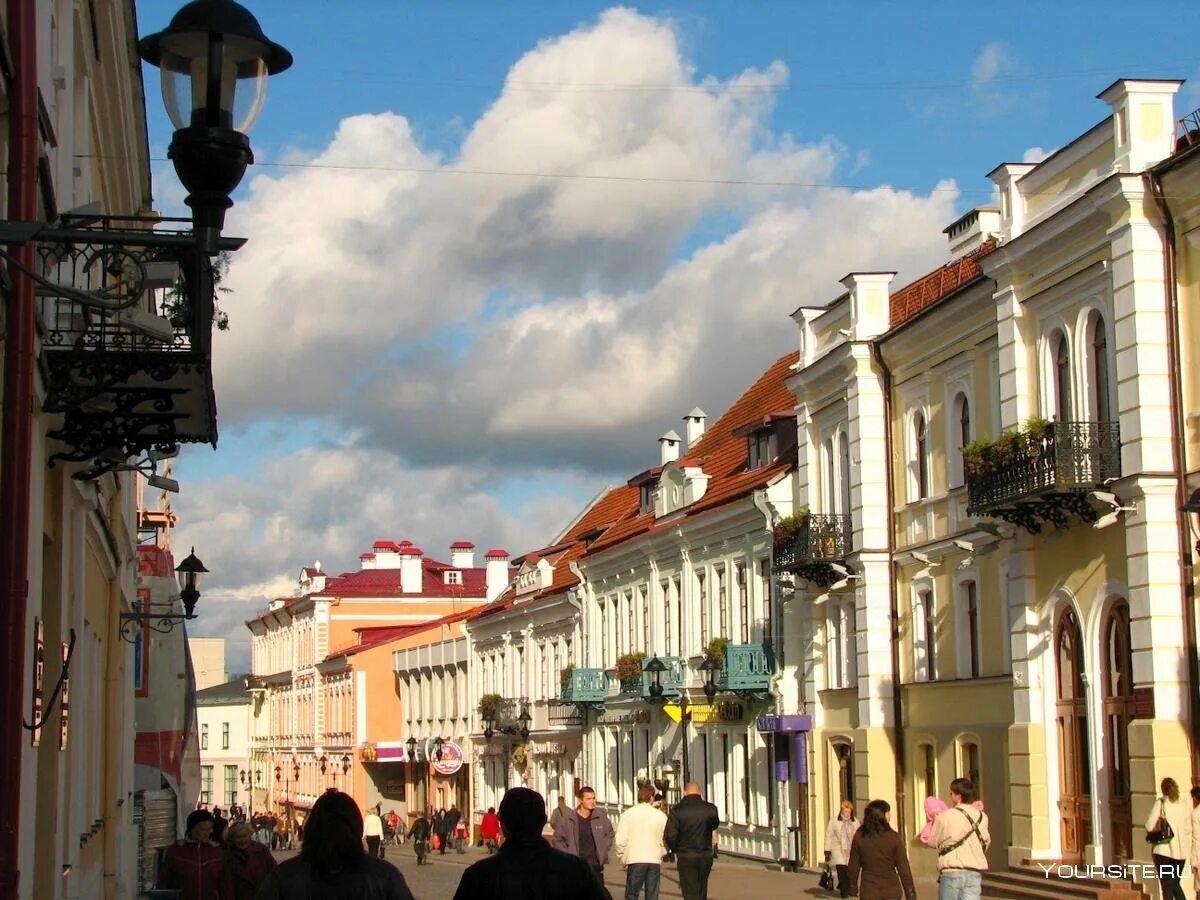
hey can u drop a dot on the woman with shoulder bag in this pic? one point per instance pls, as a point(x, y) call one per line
point(1169, 834)
point(839, 835)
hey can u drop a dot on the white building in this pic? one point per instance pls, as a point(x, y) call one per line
point(223, 714)
point(208, 661)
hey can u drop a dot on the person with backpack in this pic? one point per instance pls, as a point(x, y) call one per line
point(960, 834)
point(420, 831)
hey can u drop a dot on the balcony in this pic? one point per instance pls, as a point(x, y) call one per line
point(1030, 480)
point(748, 668)
point(586, 686)
point(818, 542)
point(132, 380)
point(562, 714)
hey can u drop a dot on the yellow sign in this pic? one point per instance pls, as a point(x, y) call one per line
point(706, 713)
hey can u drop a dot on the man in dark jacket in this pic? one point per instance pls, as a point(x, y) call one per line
point(525, 866)
point(420, 832)
point(689, 836)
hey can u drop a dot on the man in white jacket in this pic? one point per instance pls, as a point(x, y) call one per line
point(639, 843)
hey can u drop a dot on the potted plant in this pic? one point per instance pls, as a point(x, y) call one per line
point(716, 649)
point(629, 665)
point(787, 527)
point(564, 675)
point(489, 705)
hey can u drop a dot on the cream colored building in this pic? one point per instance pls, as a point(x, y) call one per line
point(1025, 537)
point(208, 661)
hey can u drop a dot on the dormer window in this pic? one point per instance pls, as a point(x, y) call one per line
point(760, 448)
point(646, 498)
point(453, 576)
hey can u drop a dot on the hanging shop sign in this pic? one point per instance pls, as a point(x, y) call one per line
point(448, 760)
point(548, 748)
point(708, 713)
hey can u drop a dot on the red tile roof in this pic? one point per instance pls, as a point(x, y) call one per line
point(496, 553)
point(378, 635)
point(462, 545)
point(937, 285)
point(386, 583)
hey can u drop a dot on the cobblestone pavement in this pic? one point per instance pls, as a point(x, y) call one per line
point(732, 879)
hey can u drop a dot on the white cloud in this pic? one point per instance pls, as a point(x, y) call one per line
point(991, 69)
point(456, 331)
point(993, 61)
point(1036, 154)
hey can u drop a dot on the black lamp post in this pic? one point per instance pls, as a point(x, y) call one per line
point(710, 667)
point(214, 60)
point(345, 764)
point(489, 719)
point(524, 719)
point(161, 617)
point(242, 777)
point(323, 762)
point(411, 743)
point(278, 774)
point(655, 667)
point(190, 573)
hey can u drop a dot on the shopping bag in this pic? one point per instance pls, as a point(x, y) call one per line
point(436, 842)
point(826, 882)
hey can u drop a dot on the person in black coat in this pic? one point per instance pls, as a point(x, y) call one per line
point(421, 829)
point(689, 835)
point(525, 865)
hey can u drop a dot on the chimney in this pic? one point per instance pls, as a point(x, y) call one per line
point(693, 426)
point(497, 573)
point(668, 447)
point(967, 234)
point(366, 561)
point(1143, 122)
point(386, 555)
point(869, 307)
point(462, 555)
point(411, 580)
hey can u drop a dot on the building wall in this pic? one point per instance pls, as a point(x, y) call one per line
point(224, 747)
point(208, 659)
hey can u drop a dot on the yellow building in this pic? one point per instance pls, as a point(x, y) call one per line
point(1004, 441)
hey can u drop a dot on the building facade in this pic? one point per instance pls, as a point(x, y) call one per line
point(223, 719)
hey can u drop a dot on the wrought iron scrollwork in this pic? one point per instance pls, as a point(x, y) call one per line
point(819, 542)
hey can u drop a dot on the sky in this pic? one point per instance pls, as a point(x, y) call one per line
point(496, 250)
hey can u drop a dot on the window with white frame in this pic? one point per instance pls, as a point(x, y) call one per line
point(924, 636)
point(224, 735)
point(722, 623)
point(764, 596)
point(644, 596)
point(204, 736)
point(920, 457)
point(961, 434)
point(1059, 396)
point(631, 610)
point(970, 640)
point(665, 588)
point(829, 466)
point(760, 448)
point(743, 603)
point(702, 602)
point(841, 645)
point(206, 784)
point(968, 761)
point(677, 600)
point(844, 474)
point(1096, 372)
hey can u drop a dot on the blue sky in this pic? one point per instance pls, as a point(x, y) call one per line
point(510, 245)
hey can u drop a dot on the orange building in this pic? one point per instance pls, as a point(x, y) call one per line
point(311, 705)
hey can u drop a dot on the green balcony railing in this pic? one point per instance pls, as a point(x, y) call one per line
point(586, 686)
point(672, 678)
point(748, 667)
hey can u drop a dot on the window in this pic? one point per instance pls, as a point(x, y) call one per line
point(453, 576)
point(759, 448)
point(844, 481)
point(224, 735)
point(722, 623)
point(841, 651)
point(960, 433)
point(743, 603)
point(206, 784)
point(665, 587)
point(1100, 380)
point(702, 595)
point(843, 755)
point(829, 494)
point(921, 457)
point(645, 598)
point(646, 497)
point(631, 612)
point(230, 785)
point(969, 763)
point(204, 736)
point(929, 770)
point(764, 574)
point(1061, 359)
point(972, 637)
point(925, 637)
point(677, 599)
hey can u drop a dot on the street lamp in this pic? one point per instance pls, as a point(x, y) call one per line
point(655, 667)
point(214, 60)
point(709, 667)
point(411, 743)
point(162, 617)
point(323, 761)
point(345, 764)
point(278, 773)
point(524, 719)
point(242, 777)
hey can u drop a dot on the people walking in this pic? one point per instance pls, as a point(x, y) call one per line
point(689, 835)
point(489, 830)
point(1170, 846)
point(332, 861)
point(960, 834)
point(639, 843)
point(449, 823)
point(585, 832)
point(220, 823)
point(838, 838)
point(391, 827)
point(247, 863)
point(193, 865)
point(373, 833)
point(419, 833)
point(877, 868)
point(525, 865)
point(559, 811)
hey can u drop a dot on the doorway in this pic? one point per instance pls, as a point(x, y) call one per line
point(1118, 713)
point(1074, 759)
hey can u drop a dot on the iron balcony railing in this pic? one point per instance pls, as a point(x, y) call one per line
point(672, 680)
point(1068, 456)
point(748, 667)
point(586, 686)
point(818, 539)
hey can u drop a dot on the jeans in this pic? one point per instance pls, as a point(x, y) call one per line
point(693, 875)
point(639, 874)
point(1170, 871)
point(843, 880)
point(959, 884)
point(373, 846)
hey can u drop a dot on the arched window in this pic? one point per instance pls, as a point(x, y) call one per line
point(1099, 373)
point(921, 462)
point(924, 637)
point(843, 755)
point(1061, 361)
point(960, 436)
point(964, 422)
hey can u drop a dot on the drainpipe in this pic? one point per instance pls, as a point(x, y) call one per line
point(17, 428)
point(1187, 563)
point(893, 598)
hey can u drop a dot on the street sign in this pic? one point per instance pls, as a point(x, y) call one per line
point(707, 713)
